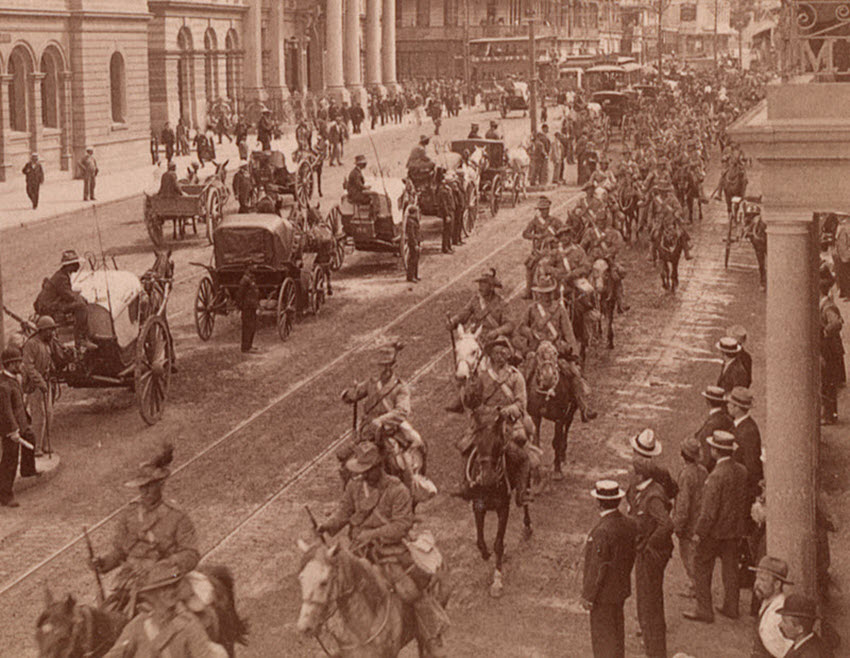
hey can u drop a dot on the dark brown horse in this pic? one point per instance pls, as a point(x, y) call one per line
point(686, 181)
point(67, 629)
point(670, 247)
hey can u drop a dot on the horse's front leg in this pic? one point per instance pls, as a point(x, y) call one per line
point(527, 530)
point(559, 446)
point(503, 512)
point(480, 514)
point(611, 325)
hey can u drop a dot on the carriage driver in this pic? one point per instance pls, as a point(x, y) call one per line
point(377, 508)
point(151, 533)
point(419, 165)
point(355, 184)
point(541, 226)
point(57, 298)
point(547, 319)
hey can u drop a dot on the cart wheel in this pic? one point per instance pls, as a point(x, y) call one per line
point(338, 254)
point(205, 308)
point(286, 308)
point(304, 183)
point(214, 213)
point(154, 226)
point(318, 284)
point(334, 221)
point(403, 247)
point(495, 195)
point(152, 377)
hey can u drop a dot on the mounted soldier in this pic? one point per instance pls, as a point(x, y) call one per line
point(377, 508)
point(541, 227)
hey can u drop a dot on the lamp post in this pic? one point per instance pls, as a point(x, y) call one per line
point(532, 72)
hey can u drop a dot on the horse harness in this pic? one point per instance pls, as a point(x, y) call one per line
point(84, 619)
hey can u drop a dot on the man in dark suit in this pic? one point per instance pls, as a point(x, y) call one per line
point(608, 558)
point(721, 523)
point(798, 624)
point(167, 138)
point(747, 437)
point(733, 372)
point(739, 333)
point(34, 175)
point(15, 429)
point(717, 419)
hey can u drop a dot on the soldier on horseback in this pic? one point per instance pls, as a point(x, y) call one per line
point(377, 508)
point(667, 214)
point(541, 226)
point(151, 533)
point(547, 319)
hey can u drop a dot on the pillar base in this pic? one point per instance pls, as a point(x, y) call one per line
point(339, 94)
point(65, 161)
point(358, 95)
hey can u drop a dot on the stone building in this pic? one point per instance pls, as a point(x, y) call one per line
point(689, 29)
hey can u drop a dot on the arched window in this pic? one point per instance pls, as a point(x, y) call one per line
point(184, 67)
point(231, 44)
point(118, 88)
point(20, 66)
point(49, 91)
point(210, 65)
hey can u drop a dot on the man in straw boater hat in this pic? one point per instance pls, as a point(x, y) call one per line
point(771, 578)
point(717, 419)
point(739, 402)
point(720, 527)
point(609, 554)
point(377, 508)
point(733, 372)
point(649, 496)
point(799, 615)
point(150, 532)
point(164, 627)
point(739, 333)
point(542, 226)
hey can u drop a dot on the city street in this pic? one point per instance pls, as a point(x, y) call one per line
point(255, 436)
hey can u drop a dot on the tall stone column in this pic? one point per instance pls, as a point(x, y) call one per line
point(5, 124)
point(66, 121)
point(277, 44)
point(388, 47)
point(373, 46)
point(34, 93)
point(793, 391)
point(252, 72)
point(351, 59)
point(333, 38)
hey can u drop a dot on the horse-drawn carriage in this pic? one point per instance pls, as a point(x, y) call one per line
point(515, 97)
point(379, 226)
point(272, 247)
point(203, 202)
point(269, 175)
point(614, 104)
point(498, 182)
point(127, 323)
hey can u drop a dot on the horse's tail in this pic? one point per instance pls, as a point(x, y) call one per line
point(233, 628)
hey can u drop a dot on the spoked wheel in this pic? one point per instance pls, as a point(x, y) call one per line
point(154, 360)
point(304, 183)
point(495, 195)
point(403, 247)
point(334, 221)
point(214, 213)
point(205, 308)
point(154, 226)
point(286, 308)
point(338, 254)
point(318, 282)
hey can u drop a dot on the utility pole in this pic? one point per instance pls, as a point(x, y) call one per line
point(466, 63)
point(715, 33)
point(532, 72)
point(660, 38)
point(2, 313)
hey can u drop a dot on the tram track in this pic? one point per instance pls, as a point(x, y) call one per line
point(369, 340)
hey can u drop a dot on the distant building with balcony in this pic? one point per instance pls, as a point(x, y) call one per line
point(689, 30)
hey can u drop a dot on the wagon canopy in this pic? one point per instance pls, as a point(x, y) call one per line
point(495, 149)
point(254, 239)
point(113, 298)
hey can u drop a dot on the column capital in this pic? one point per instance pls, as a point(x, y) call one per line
point(36, 75)
point(787, 220)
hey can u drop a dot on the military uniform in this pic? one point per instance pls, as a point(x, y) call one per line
point(183, 636)
point(548, 322)
point(143, 538)
point(490, 313)
point(387, 403)
point(538, 230)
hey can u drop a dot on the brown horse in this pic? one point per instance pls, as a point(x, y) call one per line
point(67, 629)
point(686, 181)
point(670, 247)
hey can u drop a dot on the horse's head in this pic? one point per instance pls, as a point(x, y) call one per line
point(317, 582)
point(489, 448)
point(547, 371)
point(468, 353)
point(55, 629)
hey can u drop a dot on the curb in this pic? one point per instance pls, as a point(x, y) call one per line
point(48, 467)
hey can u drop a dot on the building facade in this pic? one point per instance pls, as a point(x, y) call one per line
point(694, 28)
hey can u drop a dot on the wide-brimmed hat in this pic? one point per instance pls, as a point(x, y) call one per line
point(89, 149)
point(645, 444)
point(489, 276)
point(690, 448)
point(545, 284)
point(387, 355)
point(161, 575)
point(722, 440)
point(775, 566)
point(70, 257)
point(543, 202)
point(798, 605)
point(359, 159)
point(741, 396)
point(499, 341)
point(494, 124)
point(473, 126)
point(366, 455)
point(10, 354)
point(424, 139)
point(607, 490)
point(728, 345)
point(44, 323)
point(714, 393)
point(155, 469)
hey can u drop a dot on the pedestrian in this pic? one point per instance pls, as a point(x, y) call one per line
point(798, 624)
point(649, 497)
point(556, 156)
point(241, 135)
point(733, 372)
point(686, 508)
point(739, 333)
point(37, 366)
point(739, 403)
point(89, 171)
point(719, 530)
point(414, 243)
point(757, 234)
point(154, 147)
point(717, 419)
point(841, 258)
point(182, 137)
point(335, 144)
point(446, 201)
point(248, 297)
point(609, 555)
point(265, 128)
point(167, 137)
point(832, 354)
point(200, 144)
point(771, 578)
point(34, 175)
point(15, 431)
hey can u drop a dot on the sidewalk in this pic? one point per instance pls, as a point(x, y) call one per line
point(62, 196)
